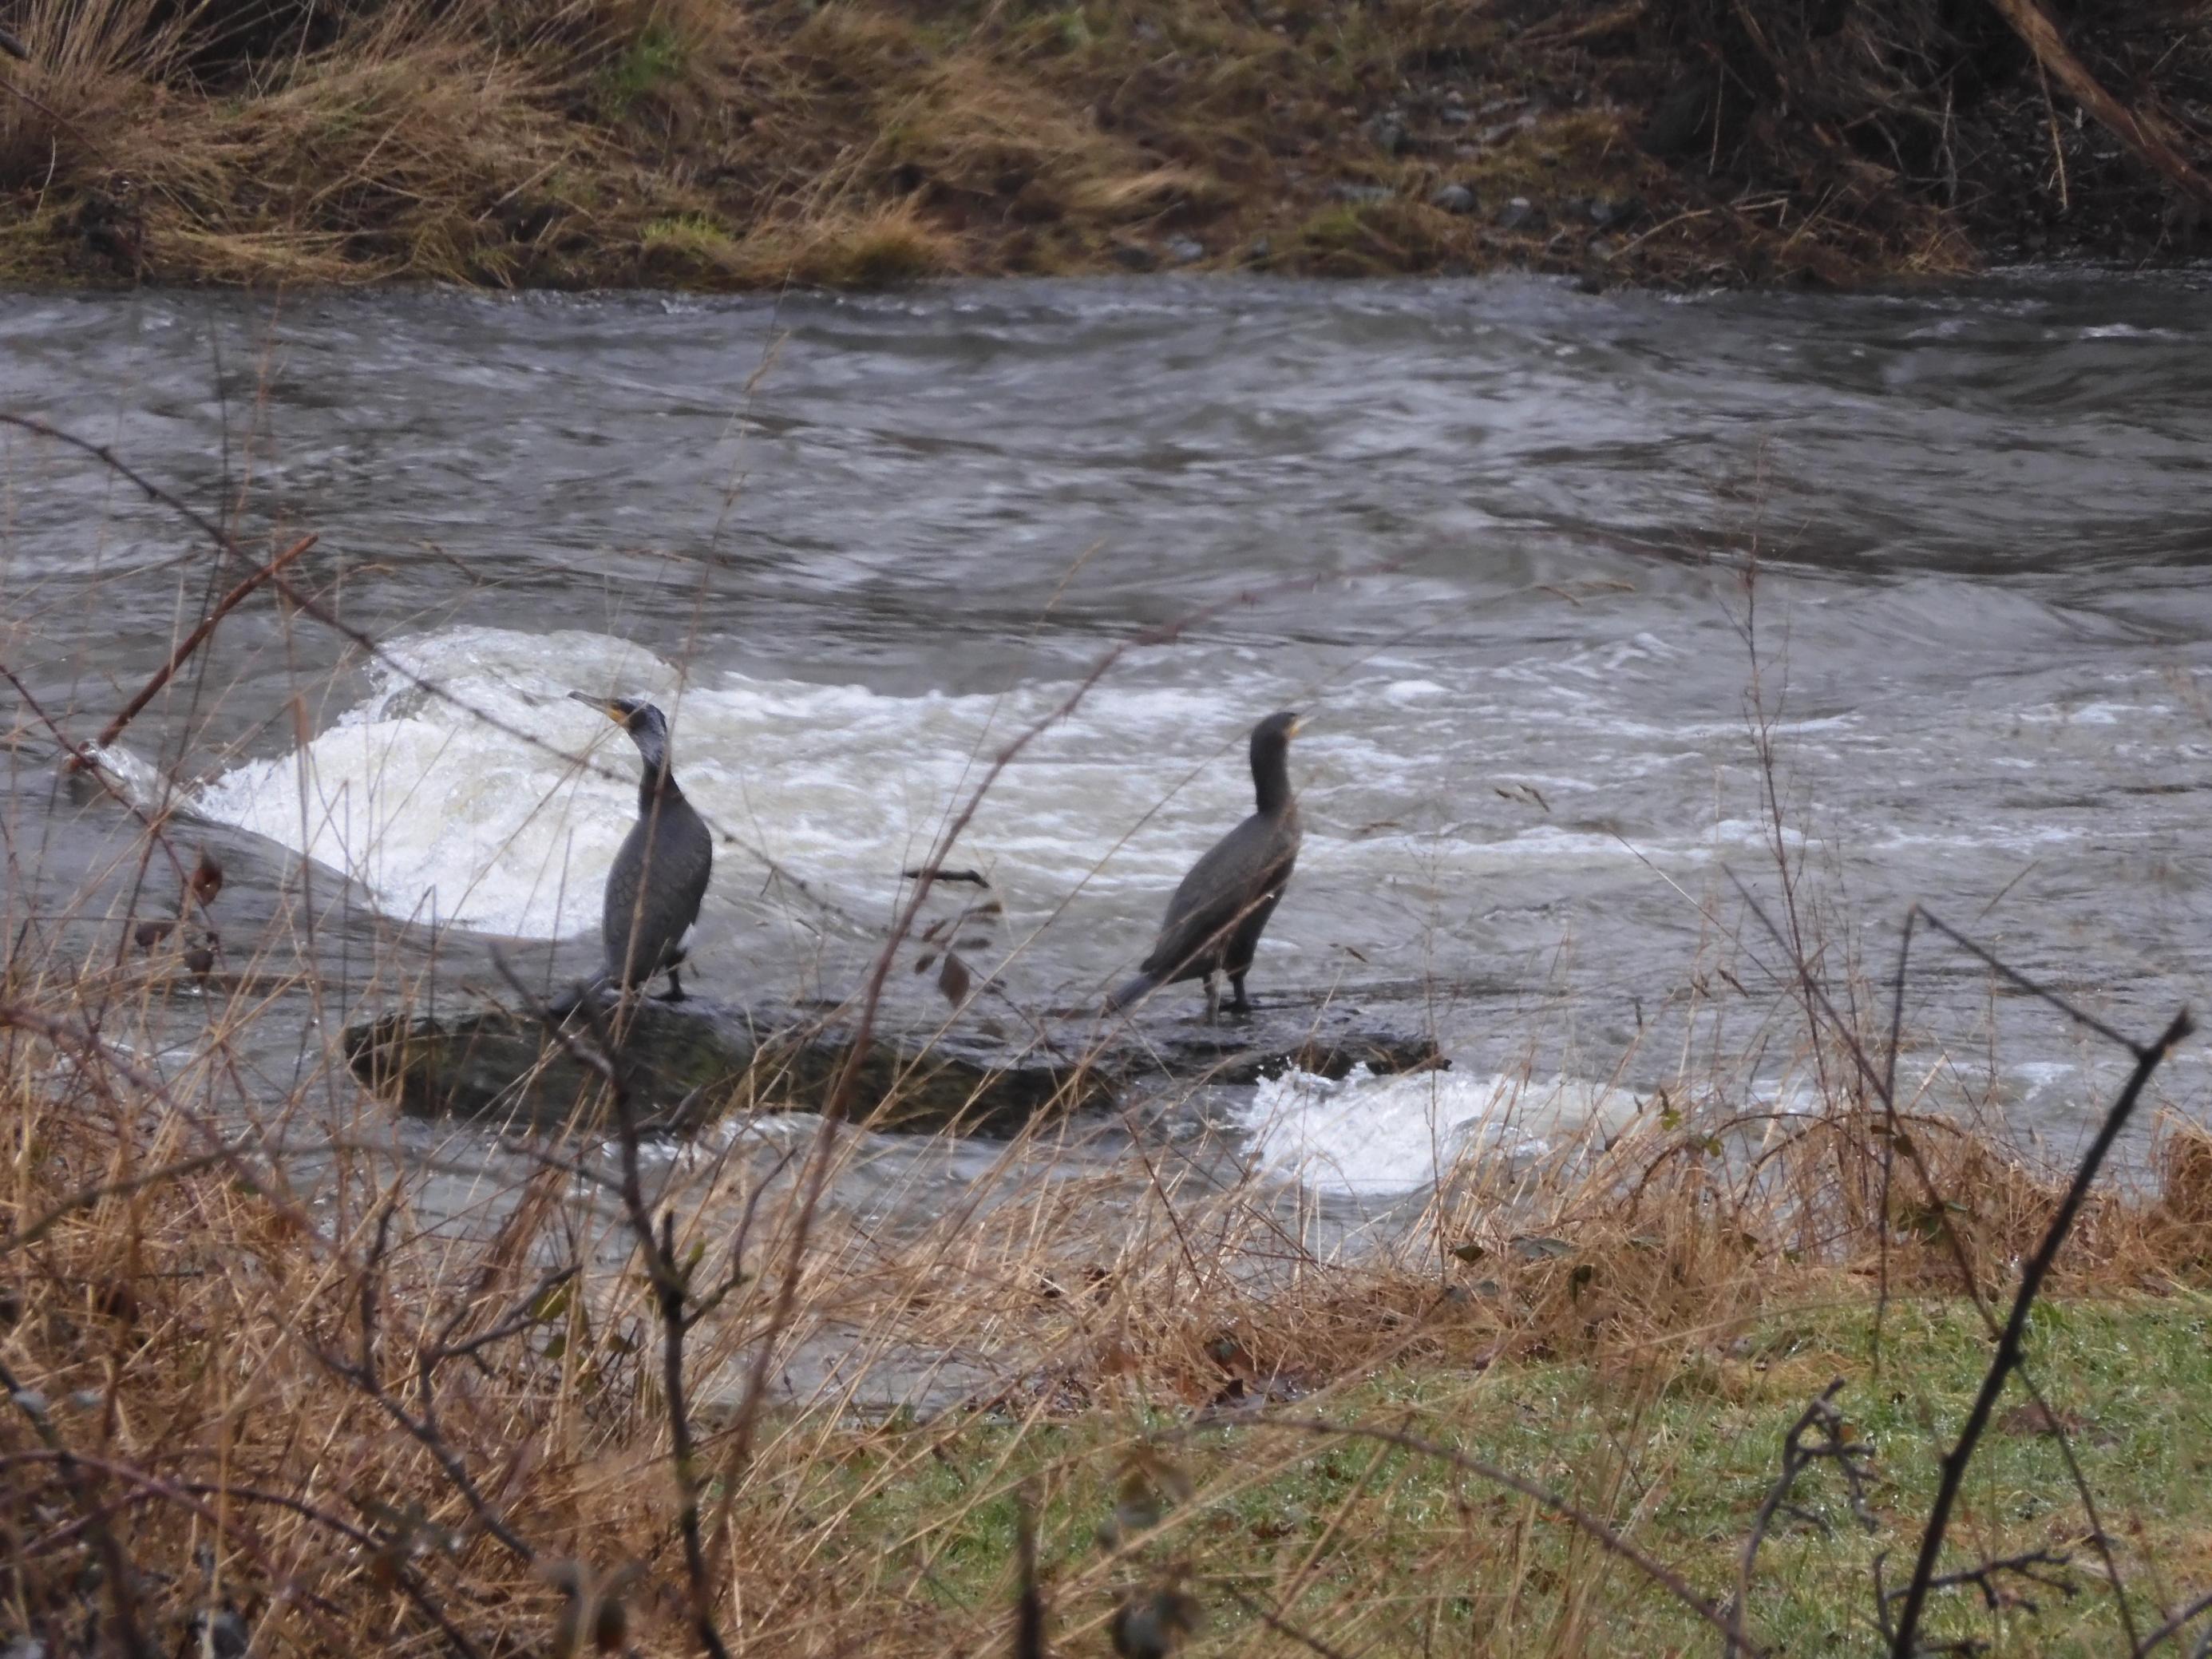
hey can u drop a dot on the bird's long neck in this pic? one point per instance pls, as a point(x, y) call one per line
point(657, 782)
point(1271, 777)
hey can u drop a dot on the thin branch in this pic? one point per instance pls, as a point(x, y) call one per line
point(190, 643)
point(423, 1430)
point(122, 1576)
point(838, 1105)
point(1029, 1604)
point(2008, 1353)
point(2011, 975)
point(1828, 1441)
point(312, 607)
point(89, 1197)
point(2147, 134)
point(1881, 1082)
point(671, 1293)
point(2173, 1627)
point(525, 1316)
point(411, 1580)
point(81, 760)
point(89, 1046)
point(1888, 1096)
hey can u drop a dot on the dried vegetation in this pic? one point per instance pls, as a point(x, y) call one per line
point(696, 144)
point(277, 1376)
point(294, 1400)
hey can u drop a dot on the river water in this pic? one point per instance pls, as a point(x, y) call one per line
point(1492, 537)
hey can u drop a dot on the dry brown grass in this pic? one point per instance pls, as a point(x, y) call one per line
point(225, 1351)
point(554, 141)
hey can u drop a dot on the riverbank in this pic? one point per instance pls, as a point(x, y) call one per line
point(275, 1402)
point(688, 144)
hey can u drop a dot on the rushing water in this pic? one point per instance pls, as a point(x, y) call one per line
point(1490, 537)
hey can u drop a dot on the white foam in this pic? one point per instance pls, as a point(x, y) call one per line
point(500, 804)
point(481, 807)
point(440, 813)
point(1367, 1133)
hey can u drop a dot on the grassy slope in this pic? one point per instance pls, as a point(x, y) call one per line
point(852, 141)
point(1373, 1548)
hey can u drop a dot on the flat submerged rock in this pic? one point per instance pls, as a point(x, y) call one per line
point(982, 1072)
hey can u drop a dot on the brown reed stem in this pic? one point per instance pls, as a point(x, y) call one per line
point(671, 1294)
point(191, 642)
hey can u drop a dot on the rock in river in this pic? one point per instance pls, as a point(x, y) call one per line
point(688, 1063)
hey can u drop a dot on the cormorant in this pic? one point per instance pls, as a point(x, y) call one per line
point(1216, 917)
point(661, 874)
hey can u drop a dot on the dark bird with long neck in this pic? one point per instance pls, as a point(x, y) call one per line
point(1216, 915)
point(659, 876)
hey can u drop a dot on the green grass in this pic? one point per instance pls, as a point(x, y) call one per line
point(696, 235)
point(654, 59)
point(1676, 1451)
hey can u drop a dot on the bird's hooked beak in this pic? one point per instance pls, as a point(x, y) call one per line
point(1298, 724)
point(617, 709)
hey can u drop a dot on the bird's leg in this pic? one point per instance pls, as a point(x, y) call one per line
point(1212, 997)
point(1238, 1002)
point(675, 992)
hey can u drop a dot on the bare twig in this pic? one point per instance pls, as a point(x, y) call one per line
point(87, 1046)
point(672, 1288)
point(1888, 1093)
point(190, 643)
point(839, 1103)
point(2037, 1566)
point(2008, 1353)
point(187, 1495)
point(2012, 976)
point(2147, 134)
point(1882, 1081)
point(2174, 1626)
point(1028, 1606)
point(87, 1198)
point(409, 1580)
point(1282, 1627)
point(527, 1313)
point(365, 1374)
point(122, 1576)
point(81, 760)
point(1820, 1434)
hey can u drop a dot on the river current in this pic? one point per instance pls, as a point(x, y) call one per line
point(1537, 565)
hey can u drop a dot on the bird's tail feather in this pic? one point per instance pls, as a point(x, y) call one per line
point(1130, 991)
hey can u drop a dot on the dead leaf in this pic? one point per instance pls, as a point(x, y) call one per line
point(953, 979)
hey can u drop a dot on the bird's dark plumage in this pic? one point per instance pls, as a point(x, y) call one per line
point(659, 876)
point(1216, 915)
